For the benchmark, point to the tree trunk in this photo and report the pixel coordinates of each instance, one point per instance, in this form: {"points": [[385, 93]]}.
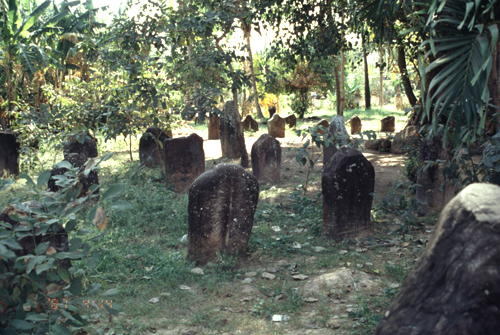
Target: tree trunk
{"points": [[494, 88], [368, 104], [247, 28], [342, 80], [340, 111], [381, 63], [404, 76]]}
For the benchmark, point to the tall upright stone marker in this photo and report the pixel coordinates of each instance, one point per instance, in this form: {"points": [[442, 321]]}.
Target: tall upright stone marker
{"points": [[453, 288], [348, 182], [221, 209], [266, 159], [276, 126], [232, 140], [151, 147], [184, 160], [335, 135], [249, 123], [9, 154]]}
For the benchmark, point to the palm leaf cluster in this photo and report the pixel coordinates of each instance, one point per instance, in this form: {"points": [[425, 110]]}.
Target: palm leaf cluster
{"points": [[463, 36]]}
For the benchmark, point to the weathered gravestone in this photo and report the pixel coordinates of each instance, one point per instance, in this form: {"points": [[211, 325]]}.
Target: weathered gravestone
{"points": [[221, 209], [347, 182], [291, 121], [388, 124], [232, 140], [249, 123], [491, 160], [213, 128], [335, 136], [322, 126], [9, 154], [55, 235], [355, 123], [453, 288], [184, 160], [276, 126], [404, 140], [151, 147], [433, 192], [266, 159], [76, 152]]}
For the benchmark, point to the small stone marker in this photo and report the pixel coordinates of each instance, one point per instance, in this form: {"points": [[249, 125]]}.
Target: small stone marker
{"points": [[276, 126], [232, 140], [453, 288], [348, 182], [432, 192], [355, 123], [184, 160], [335, 135], [388, 124], [323, 123], [213, 128], [221, 209], [9, 154], [249, 123], [491, 154], [151, 147], [291, 121], [266, 159]]}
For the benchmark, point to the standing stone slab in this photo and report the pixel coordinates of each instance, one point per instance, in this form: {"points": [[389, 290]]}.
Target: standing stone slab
{"points": [[324, 126], [151, 147], [184, 160], [9, 154], [77, 151], [221, 209], [86, 147], [335, 136], [453, 288], [232, 140], [213, 128], [266, 159], [276, 126], [388, 124], [249, 123], [404, 140], [355, 123], [433, 193], [291, 121], [348, 182]]}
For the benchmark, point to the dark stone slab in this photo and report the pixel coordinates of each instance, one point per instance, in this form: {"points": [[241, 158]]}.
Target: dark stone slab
{"points": [[221, 209], [266, 159], [347, 182], [151, 147], [9, 154]]}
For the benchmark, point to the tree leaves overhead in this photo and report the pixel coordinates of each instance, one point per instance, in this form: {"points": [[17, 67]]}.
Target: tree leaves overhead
{"points": [[463, 36]]}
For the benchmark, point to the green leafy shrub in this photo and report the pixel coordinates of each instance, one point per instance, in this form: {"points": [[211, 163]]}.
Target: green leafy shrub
{"points": [[44, 290]]}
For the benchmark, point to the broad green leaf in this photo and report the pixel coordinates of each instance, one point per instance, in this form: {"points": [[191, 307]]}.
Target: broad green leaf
{"points": [[63, 164], [111, 293], [28, 179], [41, 248], [10, 243], [31, 19], [36, 317], [45, 266], [76, 286], [94, 289], [59, 330], [113, 191], [21, 324], [6, 253], [68, 255], [33, 262], [121, 205]]}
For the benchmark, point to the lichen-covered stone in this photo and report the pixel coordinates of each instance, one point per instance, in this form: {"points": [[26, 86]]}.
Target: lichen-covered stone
{"points": [[221, 209], [276, 126], [453, 288], [335, 136], [232, 140]]}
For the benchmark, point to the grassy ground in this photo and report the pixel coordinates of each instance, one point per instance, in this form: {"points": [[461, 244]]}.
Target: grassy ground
{"points": [[144, 252]]}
